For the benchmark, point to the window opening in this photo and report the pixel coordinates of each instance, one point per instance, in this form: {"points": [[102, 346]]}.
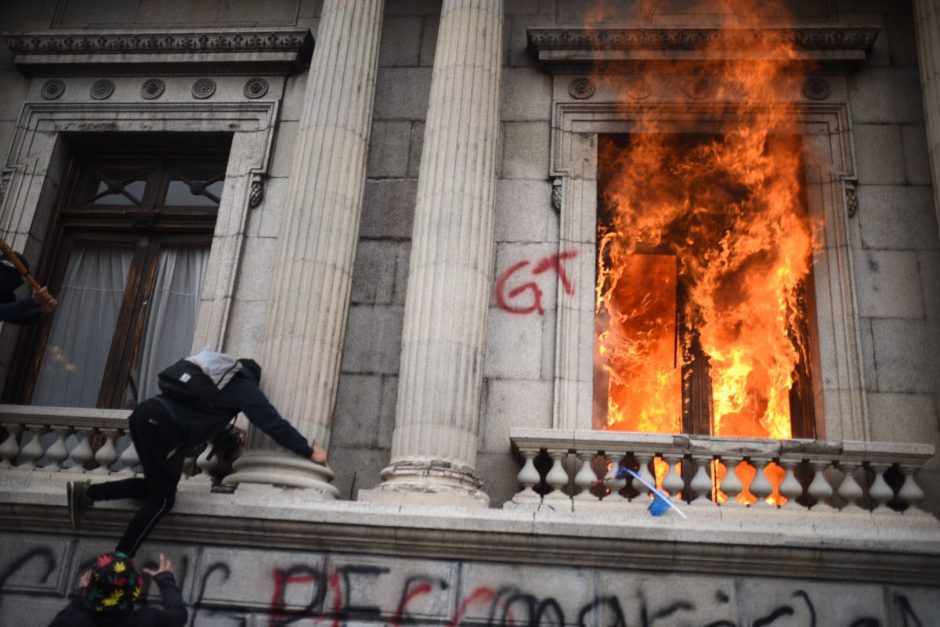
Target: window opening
{"points": [[704, 275], [131, 244]]}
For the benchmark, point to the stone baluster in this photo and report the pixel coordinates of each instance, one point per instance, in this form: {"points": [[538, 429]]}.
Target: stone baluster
{"points": [[731, 484], [528, 478], [790, 487], [33, 451], [701, 484], [206, 463], [106, 453], [849, 490], [760, 487], [880, 492], [819, 488], [672, 481], [557, 478], [910, 492], [584, 479], [81, 453], [610, 482], [643, 459], [312, 278], [11, 446], [129, 458], [58, 452], [434, 443]]}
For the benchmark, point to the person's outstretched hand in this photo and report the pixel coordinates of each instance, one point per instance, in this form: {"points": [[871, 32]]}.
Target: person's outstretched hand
{"points": [[165, 567], [44, 299], [319, 454]]}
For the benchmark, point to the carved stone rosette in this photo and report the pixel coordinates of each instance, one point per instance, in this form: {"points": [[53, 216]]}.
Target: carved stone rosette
{"points": [[255, 88], [101, 89], [53, 89], [152, 89], [203, 88]]}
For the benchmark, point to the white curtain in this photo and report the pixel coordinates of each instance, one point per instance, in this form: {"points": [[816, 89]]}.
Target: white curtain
{"points": [[83, 325], [172, 313]]}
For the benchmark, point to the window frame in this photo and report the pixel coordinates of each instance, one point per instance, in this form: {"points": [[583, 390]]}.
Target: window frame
{"points": [[147, 228]]}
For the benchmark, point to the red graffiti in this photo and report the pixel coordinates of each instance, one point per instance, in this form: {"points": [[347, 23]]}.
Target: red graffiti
{"points": [[279, 612], [552, 262], [421, 588], [480, 594], [337, 596]]}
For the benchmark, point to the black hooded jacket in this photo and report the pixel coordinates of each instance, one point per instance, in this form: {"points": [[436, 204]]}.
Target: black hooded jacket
{"points": [[173, 613], [241, 394]]}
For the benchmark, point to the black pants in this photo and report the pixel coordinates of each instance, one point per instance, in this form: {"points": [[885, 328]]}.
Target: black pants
{"points": [[156, 436]]}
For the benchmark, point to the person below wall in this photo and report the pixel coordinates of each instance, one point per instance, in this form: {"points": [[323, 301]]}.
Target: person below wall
{"points": [[107, 593], [25, 310], [164, 431]]}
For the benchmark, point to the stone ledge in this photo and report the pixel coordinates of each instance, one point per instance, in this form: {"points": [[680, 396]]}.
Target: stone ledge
{"points": [[274, 50], [575, 49], [888, 549]]}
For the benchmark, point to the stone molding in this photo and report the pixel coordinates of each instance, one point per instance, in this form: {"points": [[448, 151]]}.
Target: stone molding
{"points": [[869, 549], [574, 49], [137, 51]]}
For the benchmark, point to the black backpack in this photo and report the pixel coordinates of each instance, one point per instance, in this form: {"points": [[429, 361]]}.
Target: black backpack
{"points": [[187, 383]]}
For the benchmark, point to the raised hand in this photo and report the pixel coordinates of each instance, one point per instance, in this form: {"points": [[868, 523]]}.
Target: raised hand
{"points": [[165, 567]]}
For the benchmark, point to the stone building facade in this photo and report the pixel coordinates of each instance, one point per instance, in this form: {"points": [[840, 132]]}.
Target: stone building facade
{"points": [[396, 204]]}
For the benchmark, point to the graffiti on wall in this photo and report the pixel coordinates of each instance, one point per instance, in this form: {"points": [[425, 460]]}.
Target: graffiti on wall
{"points": [[526, 298], [329, 593]]}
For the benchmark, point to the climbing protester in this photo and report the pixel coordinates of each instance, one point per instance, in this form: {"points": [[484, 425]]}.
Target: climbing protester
{"points": [[25, 310], [166, 428], [108, 590]]}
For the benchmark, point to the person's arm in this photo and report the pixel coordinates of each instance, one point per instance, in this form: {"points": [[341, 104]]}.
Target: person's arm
{"points": [[254, 404], [174, 612], [23, 311]]}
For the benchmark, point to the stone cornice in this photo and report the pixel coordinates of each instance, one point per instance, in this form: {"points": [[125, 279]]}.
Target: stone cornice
{"points": [[276, 50], [577, 49]]}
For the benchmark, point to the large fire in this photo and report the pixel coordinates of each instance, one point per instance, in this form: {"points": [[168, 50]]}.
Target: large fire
{"points": [[704, 258]]}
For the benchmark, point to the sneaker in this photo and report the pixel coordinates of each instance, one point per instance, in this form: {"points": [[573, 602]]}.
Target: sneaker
{"points": [[79, 502]]}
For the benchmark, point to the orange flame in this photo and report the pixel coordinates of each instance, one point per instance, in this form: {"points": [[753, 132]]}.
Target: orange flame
{"points": [[704, 255]]}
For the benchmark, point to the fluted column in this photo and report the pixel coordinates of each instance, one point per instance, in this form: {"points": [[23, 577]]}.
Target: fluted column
{"points": [[311, 284], [434, 444], [927, 27]]}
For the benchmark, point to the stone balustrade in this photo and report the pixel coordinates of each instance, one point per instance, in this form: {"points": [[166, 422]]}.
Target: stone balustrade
{"points": [[76, 441], [570, 469]]}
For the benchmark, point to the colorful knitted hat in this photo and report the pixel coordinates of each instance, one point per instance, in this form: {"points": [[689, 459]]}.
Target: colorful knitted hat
{"points": [[115, 584]]}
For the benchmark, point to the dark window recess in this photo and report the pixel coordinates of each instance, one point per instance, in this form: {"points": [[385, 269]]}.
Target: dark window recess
{"points": [[126, 257]]}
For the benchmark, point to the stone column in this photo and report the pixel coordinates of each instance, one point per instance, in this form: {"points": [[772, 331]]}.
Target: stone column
{"points": [[434, 444], [927, 27], [311, 283]]}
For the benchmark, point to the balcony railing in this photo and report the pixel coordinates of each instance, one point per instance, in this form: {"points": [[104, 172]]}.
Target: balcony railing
{"points": [[71, 440], [576, 470]]}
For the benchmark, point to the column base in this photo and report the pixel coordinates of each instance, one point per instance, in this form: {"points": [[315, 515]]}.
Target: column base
{"points": [[282, 469], [427, 483]]}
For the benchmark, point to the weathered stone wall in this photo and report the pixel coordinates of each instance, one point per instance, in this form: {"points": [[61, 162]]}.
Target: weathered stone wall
{"points": [[229, 586], [895, 245]]}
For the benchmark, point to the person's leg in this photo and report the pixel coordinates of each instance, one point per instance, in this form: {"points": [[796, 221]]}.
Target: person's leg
{"points": [[81, 495], [155, 436]]}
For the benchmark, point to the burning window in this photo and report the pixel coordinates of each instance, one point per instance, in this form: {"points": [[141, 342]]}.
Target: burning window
{"points": [[704, 303]]}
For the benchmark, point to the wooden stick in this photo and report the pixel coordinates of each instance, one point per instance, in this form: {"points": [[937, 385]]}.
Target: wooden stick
{"points": [[15, 260]]}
